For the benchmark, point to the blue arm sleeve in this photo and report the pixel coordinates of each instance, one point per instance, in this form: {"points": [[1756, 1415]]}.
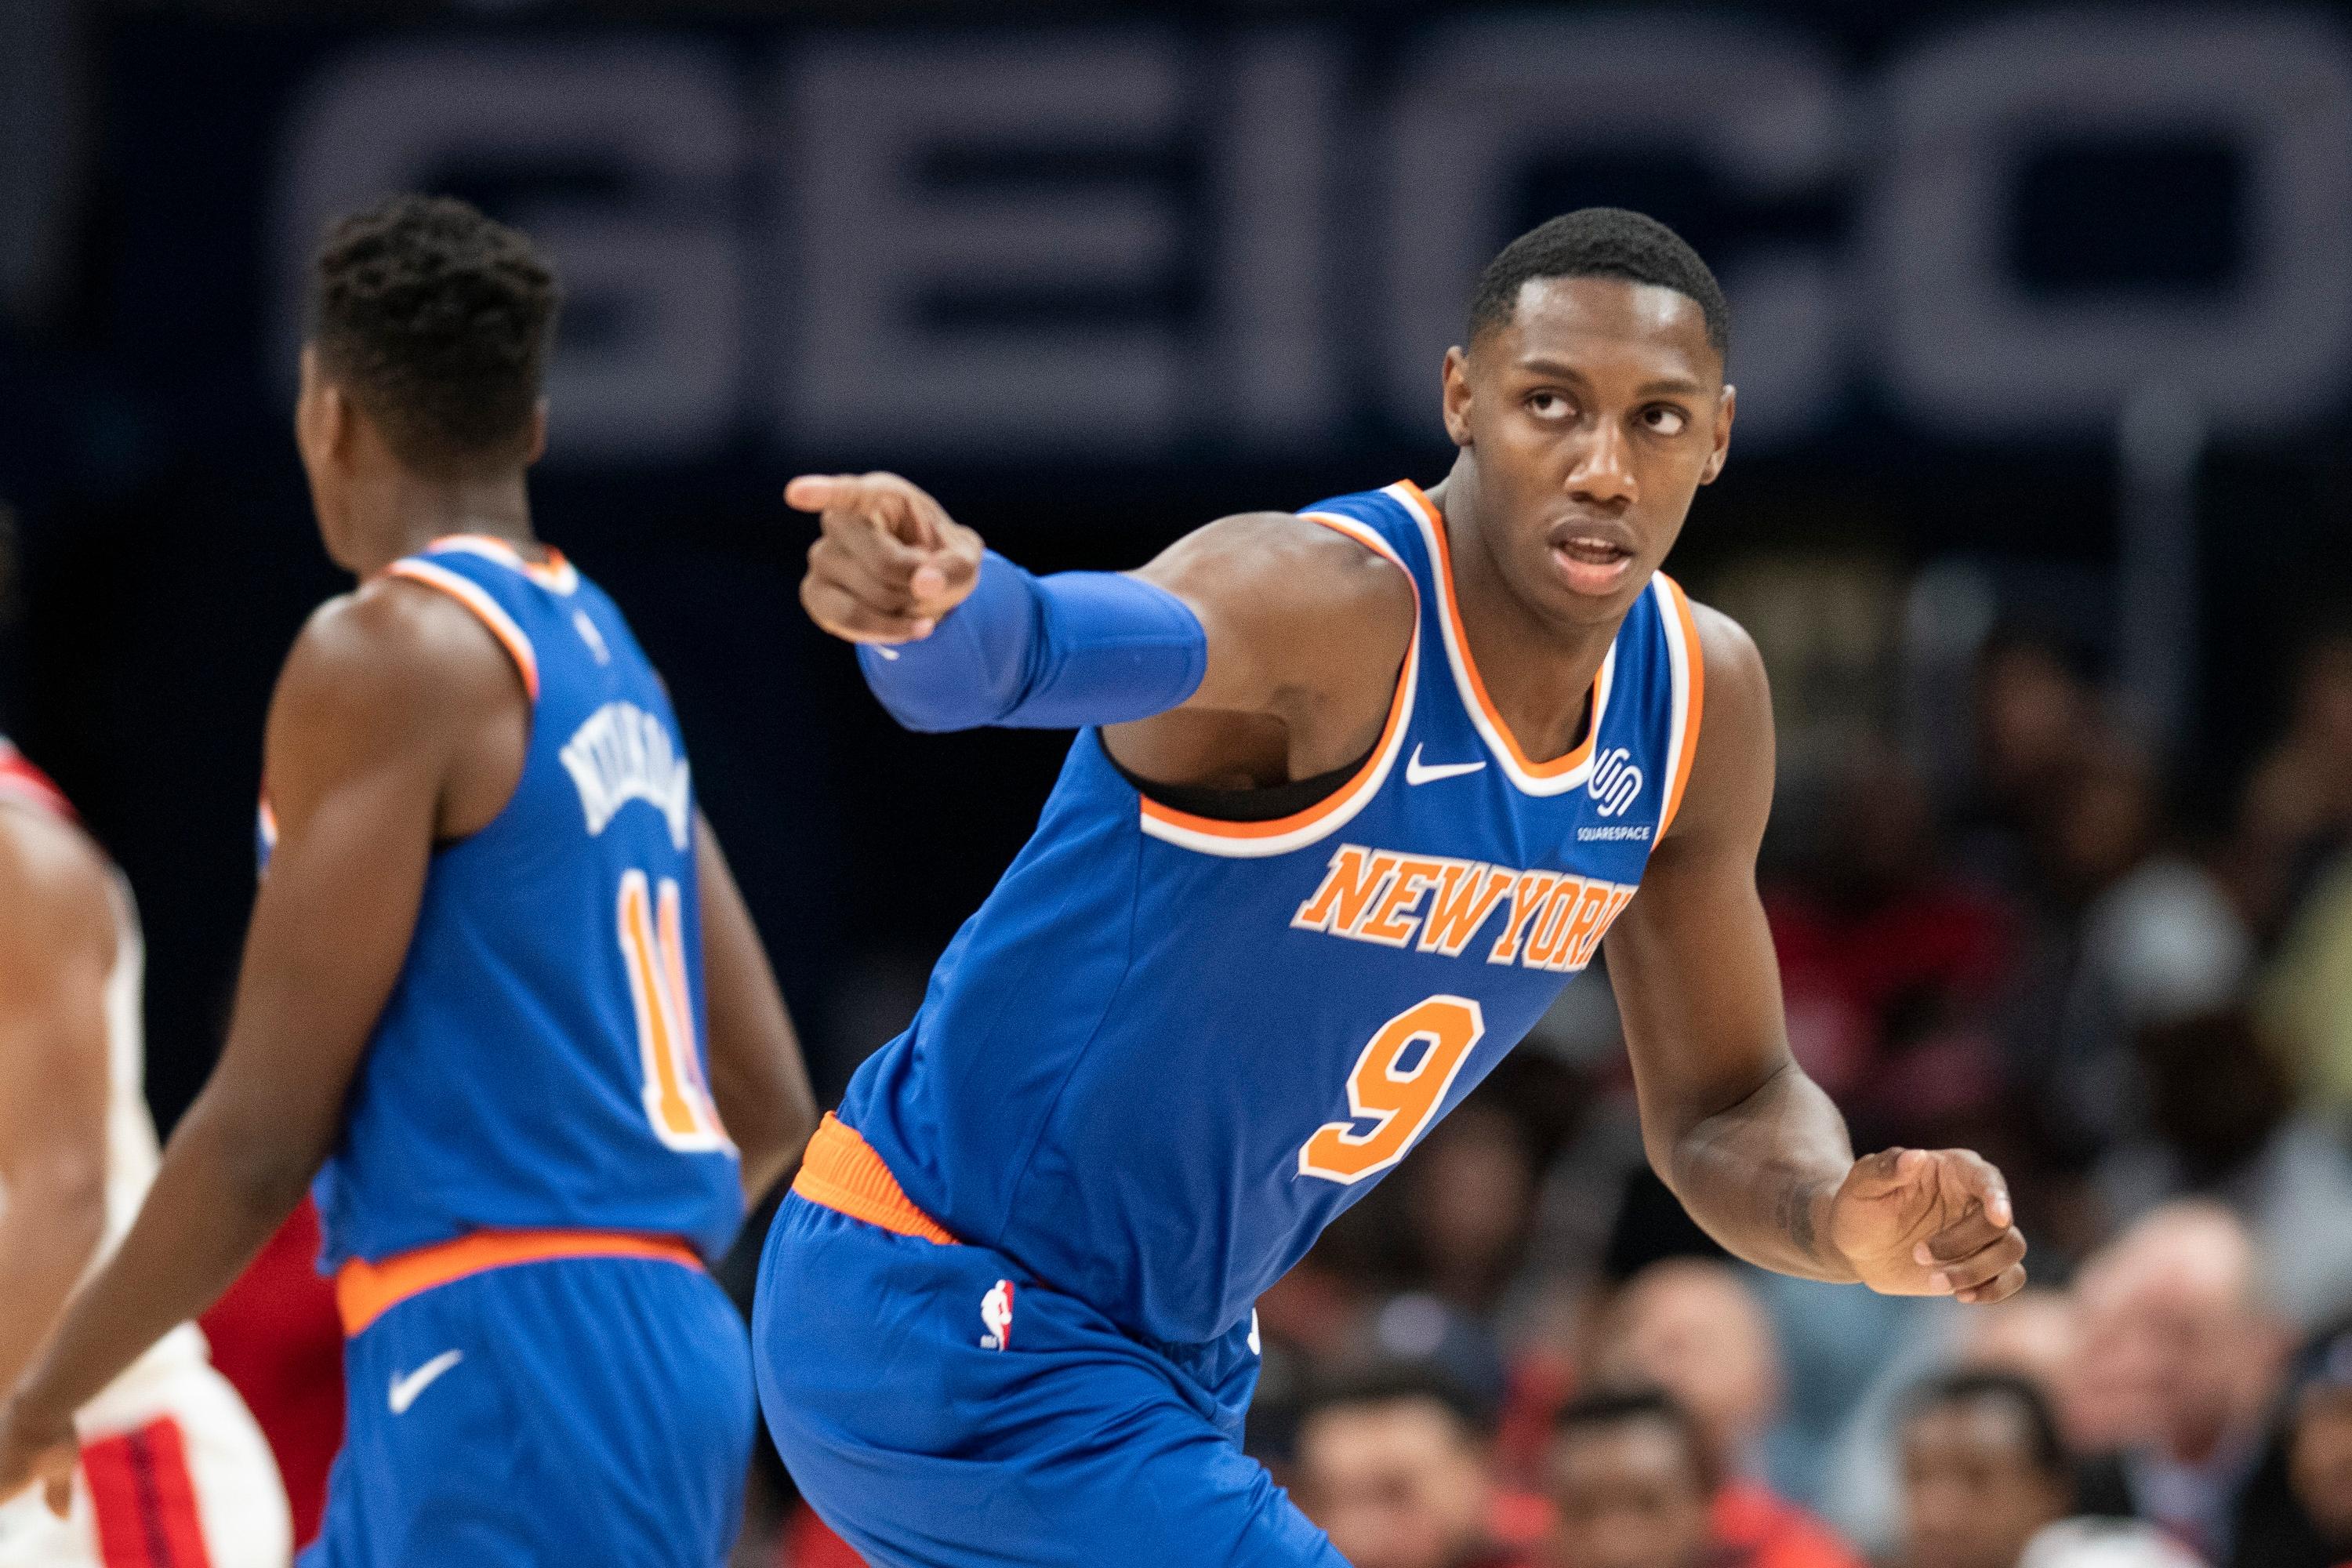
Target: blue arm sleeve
{"points": [[1047, 653]]}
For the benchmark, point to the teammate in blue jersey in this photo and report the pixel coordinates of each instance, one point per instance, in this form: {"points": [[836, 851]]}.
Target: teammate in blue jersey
{"points": [[1356, 790], [500, 997]]}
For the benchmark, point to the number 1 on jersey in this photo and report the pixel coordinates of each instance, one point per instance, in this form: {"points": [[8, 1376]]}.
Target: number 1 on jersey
{"points": [[1395, 1087], [653, 949]]}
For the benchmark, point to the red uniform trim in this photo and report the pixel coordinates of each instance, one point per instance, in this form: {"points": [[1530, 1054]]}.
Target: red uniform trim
{"points": [[144, 1499]]}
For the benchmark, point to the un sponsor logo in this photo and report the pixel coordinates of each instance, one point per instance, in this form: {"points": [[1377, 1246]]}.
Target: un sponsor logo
{"points": [[1616, 783]]}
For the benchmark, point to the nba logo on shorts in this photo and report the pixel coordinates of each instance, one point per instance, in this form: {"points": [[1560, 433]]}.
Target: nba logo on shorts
{"points": [[996, 1311], [1616, 781]]}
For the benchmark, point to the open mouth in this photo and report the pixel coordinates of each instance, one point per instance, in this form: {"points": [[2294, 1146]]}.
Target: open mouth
{"points": [[1592, 563]]}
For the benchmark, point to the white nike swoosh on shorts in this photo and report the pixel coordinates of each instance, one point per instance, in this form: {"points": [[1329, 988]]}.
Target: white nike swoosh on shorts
{"points": [[404, 1390], [1416, 773]]}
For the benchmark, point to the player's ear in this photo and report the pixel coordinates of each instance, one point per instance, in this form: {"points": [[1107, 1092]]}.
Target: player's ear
{"points": [[1726, 407], [537, 447], [321, 417], [1458, 396]]}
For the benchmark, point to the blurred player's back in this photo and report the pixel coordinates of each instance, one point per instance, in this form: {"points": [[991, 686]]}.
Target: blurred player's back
{"points": [[471, 1012]]}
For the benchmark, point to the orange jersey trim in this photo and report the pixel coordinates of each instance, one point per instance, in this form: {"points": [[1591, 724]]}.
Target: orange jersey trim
{"points": [[485, 609], [1557, 765], [1400, 712], [556, 572], [364, 1291], [841, 1172], [1693, 705]]}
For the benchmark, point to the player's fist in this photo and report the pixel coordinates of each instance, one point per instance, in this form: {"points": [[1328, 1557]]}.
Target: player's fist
{"points": [[35, 1447], [1929, 1221], [888, 561]]}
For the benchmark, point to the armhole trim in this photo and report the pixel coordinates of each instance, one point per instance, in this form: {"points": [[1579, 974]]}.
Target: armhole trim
{"points": [[1251, 841], [1689, 664], [485, 609]]}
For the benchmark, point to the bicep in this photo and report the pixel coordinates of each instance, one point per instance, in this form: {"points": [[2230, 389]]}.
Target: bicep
{"points": [[1288, 607], [368, 717], [1691, 961]]}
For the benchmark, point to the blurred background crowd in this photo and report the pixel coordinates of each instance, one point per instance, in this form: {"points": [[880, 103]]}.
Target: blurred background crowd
{"points": [[2043, 324]]}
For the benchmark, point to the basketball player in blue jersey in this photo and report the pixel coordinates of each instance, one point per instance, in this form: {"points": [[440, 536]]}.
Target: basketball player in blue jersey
{"points": [[1355, 791], [499, 996]]}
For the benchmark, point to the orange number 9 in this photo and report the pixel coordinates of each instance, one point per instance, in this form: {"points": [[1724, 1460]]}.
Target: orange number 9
{"points": [[1399, 1100], [653, 949]]}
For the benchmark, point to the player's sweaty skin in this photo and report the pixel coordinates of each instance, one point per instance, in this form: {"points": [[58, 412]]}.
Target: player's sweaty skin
{"points": [[1585, 426]]}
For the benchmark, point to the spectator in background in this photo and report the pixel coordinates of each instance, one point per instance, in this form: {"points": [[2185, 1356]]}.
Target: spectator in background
{"points": [[1691, 1326], [1632, 1480], [2036, 715], [1395, 1465], [2181, 1360], [1984, 1470], [1887, 961], [2137, 935], [2298, 1509], [2031, 1338], [2296, 813], [1469, 1198], [2222, 1122]]}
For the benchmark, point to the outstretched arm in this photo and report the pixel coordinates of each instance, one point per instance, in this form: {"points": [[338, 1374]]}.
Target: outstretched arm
{"points": [[1751, 1145], [56, 945], [1262, 645], [382, 693]]}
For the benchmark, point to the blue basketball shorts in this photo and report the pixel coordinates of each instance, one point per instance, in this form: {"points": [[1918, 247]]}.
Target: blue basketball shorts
{"points": [[940, 1408], [565, 1411]]}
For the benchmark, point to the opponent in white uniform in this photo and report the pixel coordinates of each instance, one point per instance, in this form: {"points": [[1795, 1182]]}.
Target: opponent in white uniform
{"points": [[174, 1474]]}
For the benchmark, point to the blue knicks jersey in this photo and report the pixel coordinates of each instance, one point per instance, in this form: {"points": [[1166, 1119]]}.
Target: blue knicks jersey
{"points": [[1169, 1050], [539, 1065]]}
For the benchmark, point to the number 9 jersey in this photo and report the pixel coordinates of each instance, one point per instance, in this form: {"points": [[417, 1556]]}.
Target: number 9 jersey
{"points": [[1170, 1048], [537, 1065]]}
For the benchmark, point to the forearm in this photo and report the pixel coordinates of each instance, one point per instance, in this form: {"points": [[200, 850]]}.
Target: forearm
{"points": [[1062, 652], [47, 1237], [218, 1196], [1759, 1175]]}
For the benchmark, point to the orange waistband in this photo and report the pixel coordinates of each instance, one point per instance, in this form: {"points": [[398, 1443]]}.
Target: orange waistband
{"points": [[364, 1291], [841, 1172]]}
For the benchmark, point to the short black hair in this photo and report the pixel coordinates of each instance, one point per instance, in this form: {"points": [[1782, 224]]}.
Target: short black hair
{"points": [[1610, 1407], [1600, 242], [1400, 1381], [437, 322], [2044, 1446]]}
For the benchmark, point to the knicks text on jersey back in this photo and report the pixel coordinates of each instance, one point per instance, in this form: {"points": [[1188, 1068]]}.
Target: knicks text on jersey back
{"points": [[539, 1065], [1169, 1049]]}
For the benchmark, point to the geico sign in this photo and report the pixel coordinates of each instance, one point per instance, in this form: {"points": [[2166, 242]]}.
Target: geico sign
{"points": [[1123, 241]]}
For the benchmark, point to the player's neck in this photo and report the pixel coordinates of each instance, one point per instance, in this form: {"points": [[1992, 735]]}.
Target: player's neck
{"points": [[400, 512], [1537, 670]]}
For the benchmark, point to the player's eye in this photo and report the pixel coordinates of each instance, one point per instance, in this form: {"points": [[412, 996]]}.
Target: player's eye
{"points": [[1549, 406], [1661, 419]]}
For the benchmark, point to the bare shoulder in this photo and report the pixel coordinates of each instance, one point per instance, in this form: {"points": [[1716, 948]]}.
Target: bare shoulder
{"points": [[397, 655], [1281, 557], [54, 883], [1313, 603], [1737, 689]]}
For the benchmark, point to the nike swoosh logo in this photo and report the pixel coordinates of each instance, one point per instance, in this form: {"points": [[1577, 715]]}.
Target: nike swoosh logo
{"points": [[404, 1390], [1416, 774]]}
